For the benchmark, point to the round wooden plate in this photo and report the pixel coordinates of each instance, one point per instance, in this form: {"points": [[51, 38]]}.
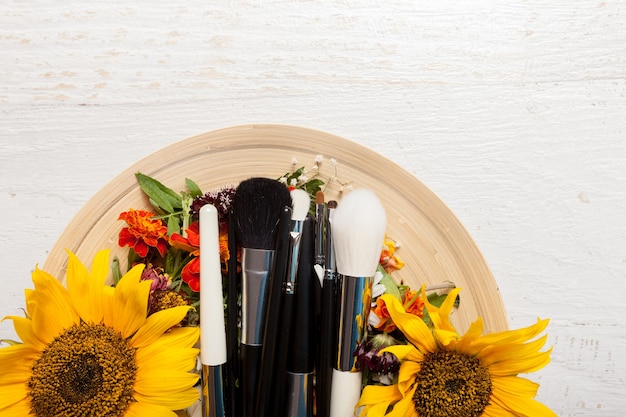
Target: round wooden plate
{"points": [[435, 246]]}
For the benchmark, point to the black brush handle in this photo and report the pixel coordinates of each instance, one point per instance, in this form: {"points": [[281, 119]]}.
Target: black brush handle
{"points": [[250, 364], [328, 348], [233, 405], [301, 340], [272, 318], [280, 369]]}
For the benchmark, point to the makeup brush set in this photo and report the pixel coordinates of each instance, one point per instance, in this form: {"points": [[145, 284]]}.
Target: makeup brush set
{"points": [[298, 306]]}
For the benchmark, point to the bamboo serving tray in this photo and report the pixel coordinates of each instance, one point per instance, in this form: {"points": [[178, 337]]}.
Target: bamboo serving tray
{"points": [[434, 244]]}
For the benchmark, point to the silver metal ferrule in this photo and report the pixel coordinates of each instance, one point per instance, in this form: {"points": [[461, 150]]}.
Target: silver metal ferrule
{"points": [[295, 237], [300, 395], [212, 391], [256, 265], [320, 243], [356, 298]]}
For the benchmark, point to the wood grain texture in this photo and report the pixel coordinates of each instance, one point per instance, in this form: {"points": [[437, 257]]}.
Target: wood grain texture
{"points": [[511, 112]]}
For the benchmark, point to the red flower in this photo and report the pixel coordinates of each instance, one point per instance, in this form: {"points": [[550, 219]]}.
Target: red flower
{"points": [[143, 232], [191, 271], [191, 274]]}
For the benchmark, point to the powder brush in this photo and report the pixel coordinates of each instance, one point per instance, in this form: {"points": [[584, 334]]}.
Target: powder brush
{"points": [[358, 231]]}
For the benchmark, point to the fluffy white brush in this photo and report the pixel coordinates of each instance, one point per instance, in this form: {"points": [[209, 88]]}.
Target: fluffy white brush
{"points": [[358, 231]]}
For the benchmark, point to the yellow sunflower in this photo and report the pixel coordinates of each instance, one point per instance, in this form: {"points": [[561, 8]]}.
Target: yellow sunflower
{"points": [[91, 349], [444, 374]]}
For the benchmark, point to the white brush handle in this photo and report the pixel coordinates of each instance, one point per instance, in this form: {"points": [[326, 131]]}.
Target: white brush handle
{"points": [[345, 393], [212, 327]]}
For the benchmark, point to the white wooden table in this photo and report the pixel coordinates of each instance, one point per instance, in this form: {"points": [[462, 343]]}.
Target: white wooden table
{"points": [[512, 112]]}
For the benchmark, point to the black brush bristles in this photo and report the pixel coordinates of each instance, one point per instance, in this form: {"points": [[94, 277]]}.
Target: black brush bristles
{"points": [[257, 204]]}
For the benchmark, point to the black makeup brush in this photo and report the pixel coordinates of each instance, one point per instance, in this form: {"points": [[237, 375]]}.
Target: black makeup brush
{"points": [[301, 203], [358, 231], [301, 354], [233, 405], [258, 204], [328, 327], [267, 370]]}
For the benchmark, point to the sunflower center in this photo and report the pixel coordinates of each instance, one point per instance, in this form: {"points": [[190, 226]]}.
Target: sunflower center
{"points": [[88, 370], [451, 384]]}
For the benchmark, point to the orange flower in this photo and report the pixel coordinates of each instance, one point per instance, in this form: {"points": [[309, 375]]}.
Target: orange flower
{"points": [[143, 232], [191, 271], [412, 303], [191, 243], [388, 260], [191, 274], [386, 324]]}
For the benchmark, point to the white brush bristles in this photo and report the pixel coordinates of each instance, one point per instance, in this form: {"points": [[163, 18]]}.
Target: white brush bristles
{"points": [[358, 229], [300, 201]]}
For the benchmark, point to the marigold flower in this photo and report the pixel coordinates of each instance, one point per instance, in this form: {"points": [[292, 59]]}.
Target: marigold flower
{"points": [[191, 274], [412, 303], [388, 260], [143, 232]]}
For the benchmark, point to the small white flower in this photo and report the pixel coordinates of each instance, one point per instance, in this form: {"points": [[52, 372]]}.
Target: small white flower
{"points": [[373, 319], [294, 161], [303, 178], [314, 168], [283, 180], [319, 158], [378, 289], [333, 161], [293, 182], [350, 187]]}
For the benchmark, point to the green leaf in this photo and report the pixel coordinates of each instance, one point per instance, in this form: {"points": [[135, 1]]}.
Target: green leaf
{"points": [[116, 271], [390, 284], [160, 195], [193, 188], [173, 226], [313, 186]]}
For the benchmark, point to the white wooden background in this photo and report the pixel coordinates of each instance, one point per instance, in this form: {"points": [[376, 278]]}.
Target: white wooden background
{"points": [[513, 112]]}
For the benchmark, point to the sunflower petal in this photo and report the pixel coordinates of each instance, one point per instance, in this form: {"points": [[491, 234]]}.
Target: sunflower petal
{"points": [[12, 394], [157, 324], [130, 303], [180, 400], [440, 316], [175, 359], [50, 299], [179, 336], [493, 410], [498, 353], [521, 365], [16, 362], [512, 336], [375, 394], [472, 334], [151, 382], [142, 409], [515, 385], [18, 409], [406, 376], [85, 287], [403, 408], [413, 327], [24, 329], [520, 405]]}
